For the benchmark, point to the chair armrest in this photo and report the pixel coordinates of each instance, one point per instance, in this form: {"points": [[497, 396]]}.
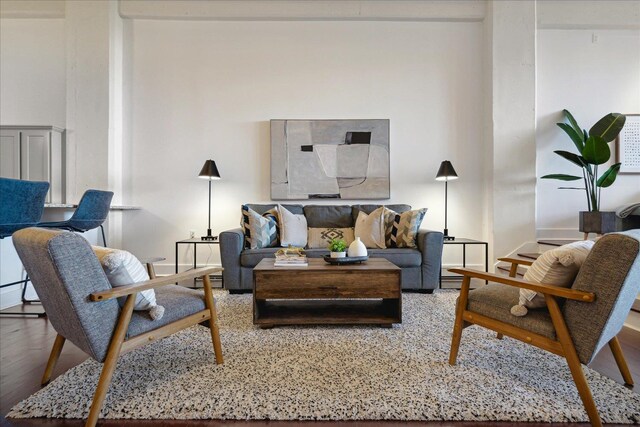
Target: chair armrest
{"points": [[517, 261], [519, 283], [153, 283]]}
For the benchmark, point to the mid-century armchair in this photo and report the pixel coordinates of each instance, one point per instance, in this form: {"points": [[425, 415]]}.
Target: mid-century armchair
{"points": [[593, 312], [83, 308]]}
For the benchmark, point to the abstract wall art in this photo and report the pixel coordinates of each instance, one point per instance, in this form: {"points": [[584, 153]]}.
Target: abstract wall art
{"points": [[329, 159]]}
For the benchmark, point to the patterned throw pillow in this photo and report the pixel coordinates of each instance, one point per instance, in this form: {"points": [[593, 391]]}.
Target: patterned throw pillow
{"points": [[260, 231], [319, 238], [389, 217], [405, 228], [370, 228]]}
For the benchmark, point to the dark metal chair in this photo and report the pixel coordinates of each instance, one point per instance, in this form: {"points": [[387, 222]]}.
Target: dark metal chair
{"points": [[21, 206], [91, 213]]}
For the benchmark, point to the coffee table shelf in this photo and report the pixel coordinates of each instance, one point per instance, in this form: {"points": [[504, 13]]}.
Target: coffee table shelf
{"points": [[368, 293]]}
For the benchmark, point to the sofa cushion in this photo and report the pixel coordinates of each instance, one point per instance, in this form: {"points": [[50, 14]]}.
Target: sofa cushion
{"points": [[261, 209], [355, 209], [251, 257], [329, 216], [402, 257]]}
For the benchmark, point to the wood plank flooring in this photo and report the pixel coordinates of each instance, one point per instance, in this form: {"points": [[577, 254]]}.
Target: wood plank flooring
{"points": [[25, 344]]}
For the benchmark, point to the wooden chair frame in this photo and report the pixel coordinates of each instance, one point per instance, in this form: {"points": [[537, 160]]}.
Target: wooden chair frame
{"points": [[563, 346], [119, 345]]}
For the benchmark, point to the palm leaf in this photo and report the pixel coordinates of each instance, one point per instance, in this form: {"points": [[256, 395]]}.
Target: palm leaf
{"points": [[575, 136], [609, 176], [596, 151], [562, 177], [608, 127]]}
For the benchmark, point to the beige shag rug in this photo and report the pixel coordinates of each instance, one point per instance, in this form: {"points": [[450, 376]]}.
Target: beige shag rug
{"points": [[336, 373]]}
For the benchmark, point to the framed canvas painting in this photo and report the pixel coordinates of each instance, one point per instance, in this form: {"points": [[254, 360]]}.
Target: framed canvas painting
{"points": [[329, 159]]}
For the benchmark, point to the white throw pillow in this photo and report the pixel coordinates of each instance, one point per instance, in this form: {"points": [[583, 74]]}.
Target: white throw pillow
{"points": [[558, 267], [122, 268], [293, 228], [370, 228]]}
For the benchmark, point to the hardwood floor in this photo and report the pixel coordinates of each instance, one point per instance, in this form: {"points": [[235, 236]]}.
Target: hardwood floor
{"points": [[25, 344]]}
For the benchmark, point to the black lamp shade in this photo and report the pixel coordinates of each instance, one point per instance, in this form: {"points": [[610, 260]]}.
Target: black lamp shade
{"points": [[446, 172], [209, 170]]}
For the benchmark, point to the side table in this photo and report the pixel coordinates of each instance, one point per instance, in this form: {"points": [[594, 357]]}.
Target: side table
{"points": [[464, 242], [195, 242]]}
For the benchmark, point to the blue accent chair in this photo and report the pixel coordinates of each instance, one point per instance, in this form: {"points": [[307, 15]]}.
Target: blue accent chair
{"points": [[91, 213], [21, 206]]}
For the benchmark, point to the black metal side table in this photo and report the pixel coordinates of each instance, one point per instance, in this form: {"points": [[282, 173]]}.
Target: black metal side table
{"points": [[464, 242], [195, 242]]}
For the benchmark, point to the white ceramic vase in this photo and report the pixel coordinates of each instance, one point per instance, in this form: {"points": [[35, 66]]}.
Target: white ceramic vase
{"points": [[338, 254], [357, 248]]}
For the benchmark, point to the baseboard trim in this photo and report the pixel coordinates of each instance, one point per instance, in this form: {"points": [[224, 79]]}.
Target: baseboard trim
{"points": [[11, 296]]}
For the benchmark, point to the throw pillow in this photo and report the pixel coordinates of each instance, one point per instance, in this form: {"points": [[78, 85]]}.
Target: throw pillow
{"points": [[319, 238], [558, 267], [405, 228], [293, 228], [389, 217], [260, 231], [370, 228], [122, 268]]}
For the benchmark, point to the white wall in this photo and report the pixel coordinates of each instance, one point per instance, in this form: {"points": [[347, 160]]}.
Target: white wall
{"points": [[32, 92], [32, 72], [590, 73], [208, 90]]}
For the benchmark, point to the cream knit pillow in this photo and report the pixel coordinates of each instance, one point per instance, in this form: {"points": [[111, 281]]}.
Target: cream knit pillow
{"points": [[293, 228], [557, 267], [370, 228], [122, 268]]}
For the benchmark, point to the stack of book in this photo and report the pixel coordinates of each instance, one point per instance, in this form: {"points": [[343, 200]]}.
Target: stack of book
{"points": [[291, 257]]}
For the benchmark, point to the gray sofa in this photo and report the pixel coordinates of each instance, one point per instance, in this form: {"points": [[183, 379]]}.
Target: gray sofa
{"points": [[420, 267]]}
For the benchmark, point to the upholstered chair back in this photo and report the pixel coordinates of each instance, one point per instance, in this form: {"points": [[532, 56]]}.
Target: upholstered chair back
{"points": [[65, 271], [612, 273]]}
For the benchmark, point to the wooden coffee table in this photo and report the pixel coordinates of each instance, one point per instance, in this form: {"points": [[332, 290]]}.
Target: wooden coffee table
{"points": [[367, 293]]}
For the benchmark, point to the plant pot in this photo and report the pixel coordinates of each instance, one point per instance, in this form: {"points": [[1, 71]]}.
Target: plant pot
{"points": [[338, 254], [597, 222]]}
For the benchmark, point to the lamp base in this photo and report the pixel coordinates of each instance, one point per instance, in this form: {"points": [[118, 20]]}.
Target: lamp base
{"points": [[446, 235], [209, 236]]}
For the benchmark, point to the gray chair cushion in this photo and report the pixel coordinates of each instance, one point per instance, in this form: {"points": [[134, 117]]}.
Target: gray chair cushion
{"points": [[178, 302], [355, 210], [325, 216], [495, 301], [294, 209], [402, 257]]}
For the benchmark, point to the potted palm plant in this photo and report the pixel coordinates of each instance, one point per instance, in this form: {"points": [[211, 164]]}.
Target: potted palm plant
{"points": [[593, 151], [338, 248]]}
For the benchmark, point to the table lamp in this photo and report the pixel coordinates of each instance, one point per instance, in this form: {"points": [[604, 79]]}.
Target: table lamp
{"points": [[209, 171], [446, 173]]}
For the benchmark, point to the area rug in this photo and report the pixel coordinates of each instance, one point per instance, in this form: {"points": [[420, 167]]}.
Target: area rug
{"points": [[336, 373]]}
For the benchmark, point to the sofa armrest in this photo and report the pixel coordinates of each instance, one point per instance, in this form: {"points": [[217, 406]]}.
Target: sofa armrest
{"points": [[231, 246], [430, 244]]}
